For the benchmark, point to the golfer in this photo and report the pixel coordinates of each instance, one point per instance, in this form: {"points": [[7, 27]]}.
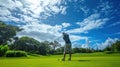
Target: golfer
{"points": [[67, 47]]}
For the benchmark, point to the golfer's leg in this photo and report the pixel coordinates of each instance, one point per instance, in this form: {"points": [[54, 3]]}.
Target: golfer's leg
{"points": [[70, 56], [70, 53], [64, 54]]}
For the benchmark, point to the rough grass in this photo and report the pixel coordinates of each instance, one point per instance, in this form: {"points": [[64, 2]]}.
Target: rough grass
{"points": [[78, 60]]}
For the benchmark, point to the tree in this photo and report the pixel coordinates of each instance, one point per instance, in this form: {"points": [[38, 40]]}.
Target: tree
{"points": [[25, 44], [54, 45], [118, 45], [44, 48], [115, 47], [7, 32], [31, 45], [59, 50]]}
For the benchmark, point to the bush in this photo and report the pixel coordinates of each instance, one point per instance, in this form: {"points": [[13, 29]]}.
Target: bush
{"points": [[3, 49], [16, 54]]}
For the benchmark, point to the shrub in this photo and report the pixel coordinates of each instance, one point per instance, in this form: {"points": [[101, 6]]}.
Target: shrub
{"points": [[3, 49], [16, 54]]}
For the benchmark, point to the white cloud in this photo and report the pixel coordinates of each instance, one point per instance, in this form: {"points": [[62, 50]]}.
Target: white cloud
{"points": [[105, 7], [41, 32], [87, 43], [108, 42], [64, 10], [65, 24], [13, 18], [4, 12], [114, 24], [76, 38], [91, 22], [37, 9], [82, 6], [7, 4], [84, 9]]}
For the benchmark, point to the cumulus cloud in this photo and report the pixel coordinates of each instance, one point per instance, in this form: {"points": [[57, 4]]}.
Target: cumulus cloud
{"points": [[41, 32], [91, 22], [87, 44], [76, 38], [65, 25], [64, 10], [4, 11], [94, 44], [108, 42]]}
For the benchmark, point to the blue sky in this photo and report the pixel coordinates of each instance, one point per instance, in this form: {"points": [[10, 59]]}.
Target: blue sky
{"points": [[90, 23]]}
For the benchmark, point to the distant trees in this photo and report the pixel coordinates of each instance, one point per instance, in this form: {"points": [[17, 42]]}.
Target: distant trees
{"points": [[114, 47], [82, 50], [26, 44], [33, 46], [7, 32]]}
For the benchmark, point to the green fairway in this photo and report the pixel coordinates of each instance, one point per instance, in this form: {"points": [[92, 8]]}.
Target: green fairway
{"points": [[78, 60]]}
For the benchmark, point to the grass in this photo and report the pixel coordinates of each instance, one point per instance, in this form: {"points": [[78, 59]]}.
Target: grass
{"points": [[78, 60]]}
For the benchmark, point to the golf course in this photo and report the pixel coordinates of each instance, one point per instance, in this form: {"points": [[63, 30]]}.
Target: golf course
{"points": [[78, 60]]}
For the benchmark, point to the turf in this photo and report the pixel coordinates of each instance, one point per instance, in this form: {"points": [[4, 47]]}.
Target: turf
{"points": [[78, 60]]}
